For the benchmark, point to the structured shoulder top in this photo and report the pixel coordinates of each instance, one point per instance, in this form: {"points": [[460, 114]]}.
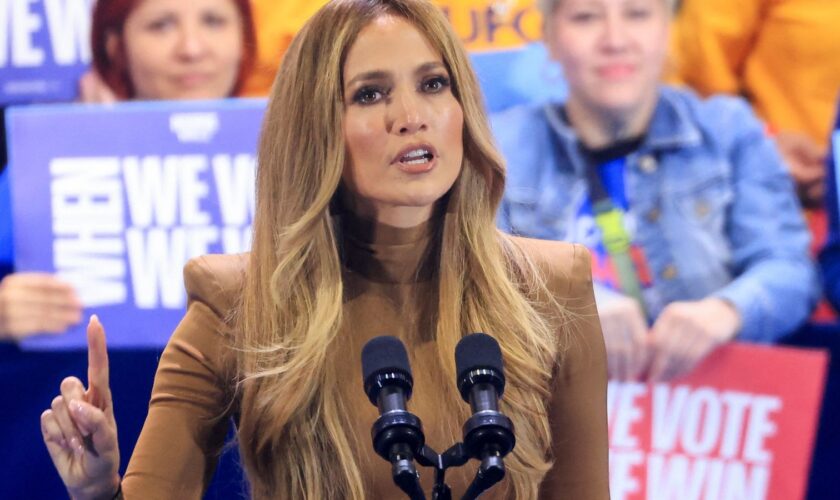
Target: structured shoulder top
{"points": [[389, 288]]}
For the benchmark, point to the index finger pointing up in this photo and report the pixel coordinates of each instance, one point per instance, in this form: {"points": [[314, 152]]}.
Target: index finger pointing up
{"points": [[98, 385]]}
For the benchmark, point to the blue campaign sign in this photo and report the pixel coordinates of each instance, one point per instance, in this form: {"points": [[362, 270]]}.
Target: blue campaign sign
{"points": [[116, 199], [44, 49]]}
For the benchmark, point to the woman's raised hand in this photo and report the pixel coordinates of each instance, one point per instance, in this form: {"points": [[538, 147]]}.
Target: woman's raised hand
{"points": [[80, 431]]}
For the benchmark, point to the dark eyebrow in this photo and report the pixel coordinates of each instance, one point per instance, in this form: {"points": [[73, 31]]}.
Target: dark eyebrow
{"points": [[383, 75], [429, 66], [368, 75]]}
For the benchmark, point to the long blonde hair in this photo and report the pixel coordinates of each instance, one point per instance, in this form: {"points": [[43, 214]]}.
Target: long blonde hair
{"points": [[293, 439]]}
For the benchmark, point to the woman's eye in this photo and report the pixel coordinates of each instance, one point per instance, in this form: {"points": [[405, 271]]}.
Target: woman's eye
{"points": [[161, 24], [583, 17], [435, 84], [215, 20], [368, 95], [638, 13]]}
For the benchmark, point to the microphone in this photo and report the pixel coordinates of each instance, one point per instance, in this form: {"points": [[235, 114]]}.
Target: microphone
{"points": [[397, 434], [488, 434]]}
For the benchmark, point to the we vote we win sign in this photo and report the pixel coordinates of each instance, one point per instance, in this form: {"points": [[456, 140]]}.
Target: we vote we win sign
{"points": [[740, 427], [115, 200], [44, 49]]}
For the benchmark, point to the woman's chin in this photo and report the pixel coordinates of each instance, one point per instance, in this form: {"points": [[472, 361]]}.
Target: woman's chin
{"points": [[621, 102]]}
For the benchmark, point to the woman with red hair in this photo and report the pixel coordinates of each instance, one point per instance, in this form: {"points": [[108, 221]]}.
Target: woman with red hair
{"points": [[169, 49], [143, 49]]}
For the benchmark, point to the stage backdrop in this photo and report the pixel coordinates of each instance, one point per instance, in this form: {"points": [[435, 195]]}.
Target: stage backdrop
{"points": [[116, 199], [741, 427], [44, 49]]}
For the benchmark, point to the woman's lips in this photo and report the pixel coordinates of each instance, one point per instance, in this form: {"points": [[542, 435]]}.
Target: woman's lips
{"points": [[616, 71], [417, 167], [416, 159], [191, 80]]}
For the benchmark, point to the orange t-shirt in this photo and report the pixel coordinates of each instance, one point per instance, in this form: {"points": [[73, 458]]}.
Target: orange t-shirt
{"points": [[783, 55], [483, 25]]}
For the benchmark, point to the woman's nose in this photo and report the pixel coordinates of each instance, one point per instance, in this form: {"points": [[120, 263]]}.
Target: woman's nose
{"points": [[407, 114], [191, 43], [615, 33]]}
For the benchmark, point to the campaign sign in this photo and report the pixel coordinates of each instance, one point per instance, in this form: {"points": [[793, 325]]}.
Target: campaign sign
{"points": [[116, 199], [740, 427], [44, 49]]}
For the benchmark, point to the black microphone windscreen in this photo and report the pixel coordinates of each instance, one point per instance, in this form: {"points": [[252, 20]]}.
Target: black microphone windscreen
{"points": [[384, 353], [477, 350]]}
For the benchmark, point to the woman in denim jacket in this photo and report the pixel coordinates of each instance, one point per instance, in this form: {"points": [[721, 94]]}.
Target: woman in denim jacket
{"points": [[718, 247]]}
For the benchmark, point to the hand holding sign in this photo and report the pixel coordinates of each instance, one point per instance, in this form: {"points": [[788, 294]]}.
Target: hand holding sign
{"points": [[124, 212], [80, 431], [686, 332], [625, 335], [92, 90], [741, 425], [33, 303]]}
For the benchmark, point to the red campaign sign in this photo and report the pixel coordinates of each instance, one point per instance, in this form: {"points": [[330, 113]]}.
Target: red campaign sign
{"points": [[740, 427]]}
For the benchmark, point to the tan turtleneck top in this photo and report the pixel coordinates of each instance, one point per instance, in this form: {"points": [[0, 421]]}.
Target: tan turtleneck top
{"points": [[388, 290]]}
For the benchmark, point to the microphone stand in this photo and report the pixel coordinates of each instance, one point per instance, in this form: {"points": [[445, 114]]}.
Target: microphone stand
{"points": [[490, 472], [398, 434], [405, 473]]}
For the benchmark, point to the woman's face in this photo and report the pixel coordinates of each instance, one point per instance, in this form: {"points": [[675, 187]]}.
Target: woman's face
{"points": [[183, 49], [612, 51], [402, 125]]}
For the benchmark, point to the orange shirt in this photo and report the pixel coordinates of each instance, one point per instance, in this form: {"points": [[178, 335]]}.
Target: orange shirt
{"points": [[783, 55], [276, 23], [483, 25]]}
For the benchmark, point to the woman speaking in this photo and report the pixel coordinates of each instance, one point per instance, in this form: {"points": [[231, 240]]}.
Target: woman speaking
{"points": [[377, 189]]}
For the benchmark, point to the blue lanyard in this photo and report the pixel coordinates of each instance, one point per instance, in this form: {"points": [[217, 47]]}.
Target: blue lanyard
{"points": [[610, 221]]}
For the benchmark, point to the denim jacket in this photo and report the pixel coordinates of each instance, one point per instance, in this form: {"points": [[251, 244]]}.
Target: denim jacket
{"points": [[715, 210]]}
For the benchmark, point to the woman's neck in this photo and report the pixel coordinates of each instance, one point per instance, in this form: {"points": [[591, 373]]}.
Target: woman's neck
{"points": [[599, 128], [391, 215], [394, 216]]}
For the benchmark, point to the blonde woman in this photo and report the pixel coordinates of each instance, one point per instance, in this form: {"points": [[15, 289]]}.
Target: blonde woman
{"points": [[377, 190], [684, 202]]}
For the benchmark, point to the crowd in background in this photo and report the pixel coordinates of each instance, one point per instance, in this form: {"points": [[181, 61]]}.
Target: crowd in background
{"points": [[709, 202], [775, 55]]}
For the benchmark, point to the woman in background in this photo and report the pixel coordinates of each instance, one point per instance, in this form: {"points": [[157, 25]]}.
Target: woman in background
{"points": [[685, 203], [169, 49], [781, 55], [377, 189], [143, 50], [42, 303]]}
